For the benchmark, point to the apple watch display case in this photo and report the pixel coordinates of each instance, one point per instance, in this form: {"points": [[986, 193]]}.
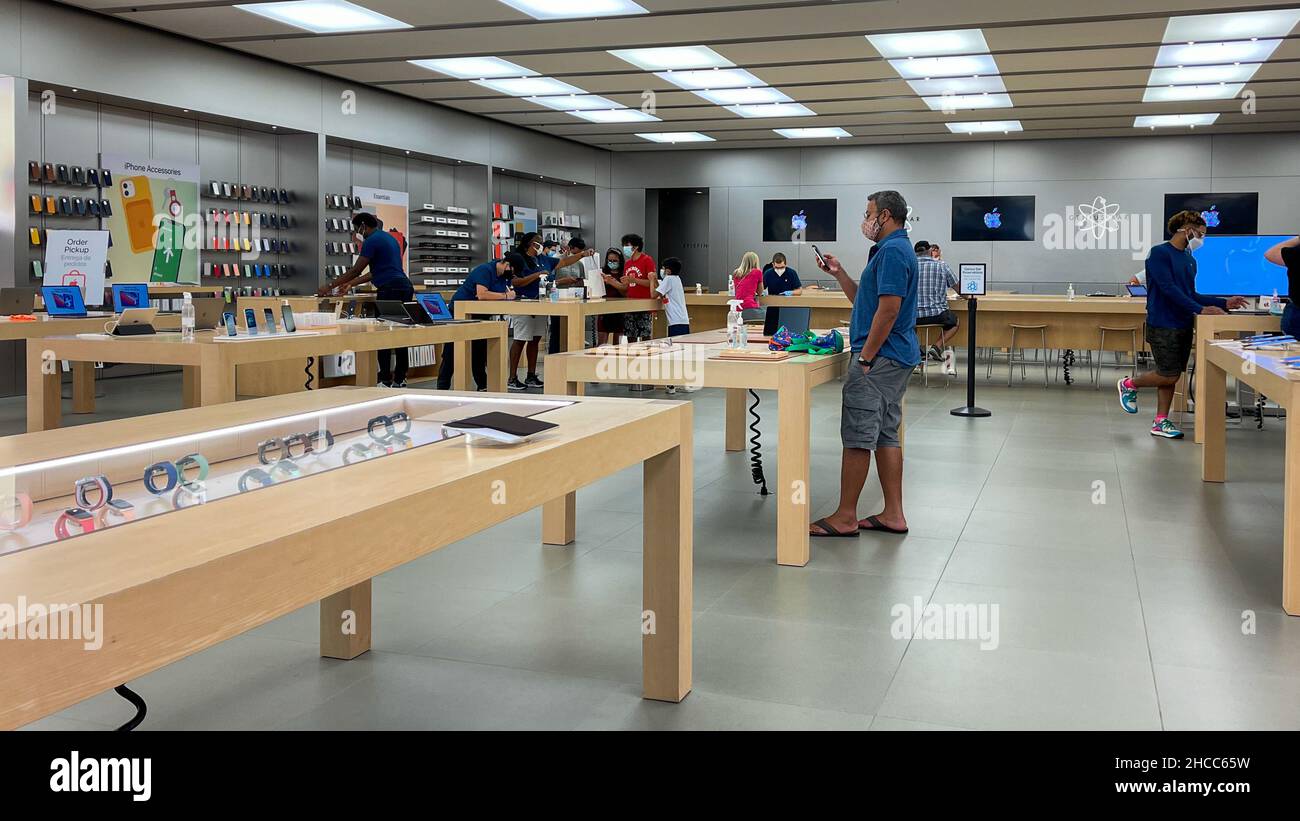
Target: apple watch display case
{"points": [[70, 496]]}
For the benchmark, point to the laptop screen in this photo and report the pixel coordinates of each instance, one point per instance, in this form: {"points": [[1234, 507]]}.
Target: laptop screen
{"points": [[130, 296], [434, 305], [63, 300]]}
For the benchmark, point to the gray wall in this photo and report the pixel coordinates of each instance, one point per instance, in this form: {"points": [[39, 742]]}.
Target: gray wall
{"points": [[1136, 173], [546, 196]]}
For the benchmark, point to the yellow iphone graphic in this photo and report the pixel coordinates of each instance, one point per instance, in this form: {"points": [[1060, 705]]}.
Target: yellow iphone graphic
{"points": [[137, 209]]}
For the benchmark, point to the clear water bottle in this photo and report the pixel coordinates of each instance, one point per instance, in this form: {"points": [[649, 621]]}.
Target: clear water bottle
{"points": [[1069, 292], [187, 319]]}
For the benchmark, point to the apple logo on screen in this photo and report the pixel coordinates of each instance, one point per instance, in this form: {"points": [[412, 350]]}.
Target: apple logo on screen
{"points": [[799, 222], [993, 219], [1211, 217]]}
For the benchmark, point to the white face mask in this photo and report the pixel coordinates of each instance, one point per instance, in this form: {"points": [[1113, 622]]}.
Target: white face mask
{"points": [[1194, 243], [780, 270]]}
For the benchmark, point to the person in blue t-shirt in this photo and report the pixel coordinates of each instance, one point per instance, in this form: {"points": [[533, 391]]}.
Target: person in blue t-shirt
{"points": [[882, 337], [527, 331], [489, 281], [382, 255], [1172, 307]]}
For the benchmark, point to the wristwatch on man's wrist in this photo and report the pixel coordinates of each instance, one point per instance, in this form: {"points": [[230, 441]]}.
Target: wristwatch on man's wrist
{"points": [[866, 363]]}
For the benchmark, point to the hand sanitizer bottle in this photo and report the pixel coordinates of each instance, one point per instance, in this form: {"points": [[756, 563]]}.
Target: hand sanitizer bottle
{"points": [[187, 318], [1069, 292], [731, 286], [735, 325]]}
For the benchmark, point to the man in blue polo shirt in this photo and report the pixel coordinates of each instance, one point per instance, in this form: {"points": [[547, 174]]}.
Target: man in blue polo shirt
{"points": [[382, 255], [489, 281], [882, 336]]}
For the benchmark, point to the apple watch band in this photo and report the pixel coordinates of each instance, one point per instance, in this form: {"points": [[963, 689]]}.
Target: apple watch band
{"points": [[189, 494], [401, 417], [157, 469], [192, 460], [73, 517], [284, 470], [117, 510], [317, 436], [273, 446], [98, 484], [18, 512], [356, 453], [257, 475], [290, 442]]}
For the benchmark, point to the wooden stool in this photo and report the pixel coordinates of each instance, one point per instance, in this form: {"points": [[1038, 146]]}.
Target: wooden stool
{"points": [[1132, 331], [1013, 347]]}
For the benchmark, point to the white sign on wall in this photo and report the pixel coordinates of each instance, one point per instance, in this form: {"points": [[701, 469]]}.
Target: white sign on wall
{"points": [[77, 258]]}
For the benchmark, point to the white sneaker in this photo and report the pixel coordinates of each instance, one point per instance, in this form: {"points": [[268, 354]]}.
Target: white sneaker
{"points": [[949, 361], [672, 389]]}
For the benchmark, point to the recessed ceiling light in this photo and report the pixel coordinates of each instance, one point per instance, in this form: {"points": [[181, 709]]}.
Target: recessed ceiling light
{"points": [[672, 58], [966, 101], [576, 102], [710, 78], [562, 9], [1191, 75], [1231, 26], [812, 133], [958, 85], [619, 115], [1166, 94], [772, 110], [324, 16], [1215, 53], [929, 43], [474, 68], [985, 127], [677, 137], [743, 96], [926, 67], [1174, 120], [530, 86]]}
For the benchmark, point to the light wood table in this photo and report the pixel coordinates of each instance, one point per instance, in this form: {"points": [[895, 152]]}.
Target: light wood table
{"points": [[209, 365], [573, 313], [1265, 373], [83, 373], [1212, 327], [691, 364], [173, 583], [1072, 324], [828, 307]]}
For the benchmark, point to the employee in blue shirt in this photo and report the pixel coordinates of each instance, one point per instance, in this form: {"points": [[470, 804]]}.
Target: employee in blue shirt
{"points": [[1172, 307], [382, 255], [489, 281], [527, 331], [779, 279]]}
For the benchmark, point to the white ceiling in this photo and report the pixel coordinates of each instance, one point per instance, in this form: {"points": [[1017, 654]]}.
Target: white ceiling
{"points": [[1072, 69]]}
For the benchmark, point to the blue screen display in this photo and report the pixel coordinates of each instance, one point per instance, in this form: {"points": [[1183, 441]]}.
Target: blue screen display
{"points": [[1235, 266], [130, 296], [63, 300]]}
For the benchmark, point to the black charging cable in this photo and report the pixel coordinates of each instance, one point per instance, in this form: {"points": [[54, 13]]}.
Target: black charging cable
{"points": [[140, 708], [310, 370], [755, 452]]}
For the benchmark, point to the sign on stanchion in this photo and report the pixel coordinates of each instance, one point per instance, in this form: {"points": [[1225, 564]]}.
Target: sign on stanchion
{"points": [[972, 280]]}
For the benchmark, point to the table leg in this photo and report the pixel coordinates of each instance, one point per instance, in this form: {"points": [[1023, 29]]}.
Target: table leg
{"points": [[498, 361], [190, 387], [367, 367], [667, 581], [461, 356], [735, 419], [573, 330], [345, 622], [1199, 342], [44, 396], [560, 515], [216, 384], [1291, 512], [1215, 382], [793, 467], [83, 387]]}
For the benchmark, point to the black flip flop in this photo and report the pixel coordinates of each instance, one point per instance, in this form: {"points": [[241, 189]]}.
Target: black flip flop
{"points": [[831, 533], [879, 526]]}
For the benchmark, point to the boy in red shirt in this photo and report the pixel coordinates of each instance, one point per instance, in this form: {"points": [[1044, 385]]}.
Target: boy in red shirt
{"points": [[641, 278]]}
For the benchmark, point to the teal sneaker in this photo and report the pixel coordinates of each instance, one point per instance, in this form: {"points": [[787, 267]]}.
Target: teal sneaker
{"points": [[1128, 397], [1165, 429]]}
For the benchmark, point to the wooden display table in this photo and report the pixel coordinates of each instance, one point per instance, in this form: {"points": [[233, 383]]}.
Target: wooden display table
{"points": [[1071, 323], [1212, 327], [1264, 372], [209, 365], [573, 313], [692, 364], [173, 582], [828, 307]]}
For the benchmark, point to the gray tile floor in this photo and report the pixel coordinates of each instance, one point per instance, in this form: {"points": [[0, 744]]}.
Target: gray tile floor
{"points": [[1127, 614]]}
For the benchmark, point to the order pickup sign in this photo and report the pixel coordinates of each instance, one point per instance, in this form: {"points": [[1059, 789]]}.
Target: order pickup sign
{"points": [[972, 277]]}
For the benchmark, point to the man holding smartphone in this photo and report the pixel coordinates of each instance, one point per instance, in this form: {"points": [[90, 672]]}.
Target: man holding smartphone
{"points": [[882, 337]]}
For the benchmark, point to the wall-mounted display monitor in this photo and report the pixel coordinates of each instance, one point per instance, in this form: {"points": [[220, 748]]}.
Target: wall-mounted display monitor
{"points": [[1235, 266], [1223, 213], [993, 219], [815, 218]]}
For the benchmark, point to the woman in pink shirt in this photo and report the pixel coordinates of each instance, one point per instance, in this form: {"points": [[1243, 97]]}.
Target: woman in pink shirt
{"points": [[749, 279]]}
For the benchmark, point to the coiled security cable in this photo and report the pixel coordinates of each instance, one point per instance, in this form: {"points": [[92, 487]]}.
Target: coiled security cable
{"points": [[310, 371], [137, 702], [755, 452], [1067, 359]]}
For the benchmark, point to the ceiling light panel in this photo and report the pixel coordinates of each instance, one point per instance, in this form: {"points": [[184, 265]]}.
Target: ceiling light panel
{"points": [[673, 58], [772, 110], [568, 9], [985, 127], [576, 102], [693, 80], [930, 43], [958, 85], [1177, 94], [959, 102], [620, 115], [475, 68], [812, 133], [978, 65], [325, 16], [677, 137], [1198, 53], [530, 86], [1231, 26], [744, 96], [1192, 75], [1174, 120]]}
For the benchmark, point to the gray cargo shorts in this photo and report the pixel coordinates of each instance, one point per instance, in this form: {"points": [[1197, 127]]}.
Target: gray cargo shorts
{"points": [[873, 404]]}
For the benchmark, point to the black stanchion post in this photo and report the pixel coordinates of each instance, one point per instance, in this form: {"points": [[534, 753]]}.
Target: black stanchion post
{"points": [[970, 409]]}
